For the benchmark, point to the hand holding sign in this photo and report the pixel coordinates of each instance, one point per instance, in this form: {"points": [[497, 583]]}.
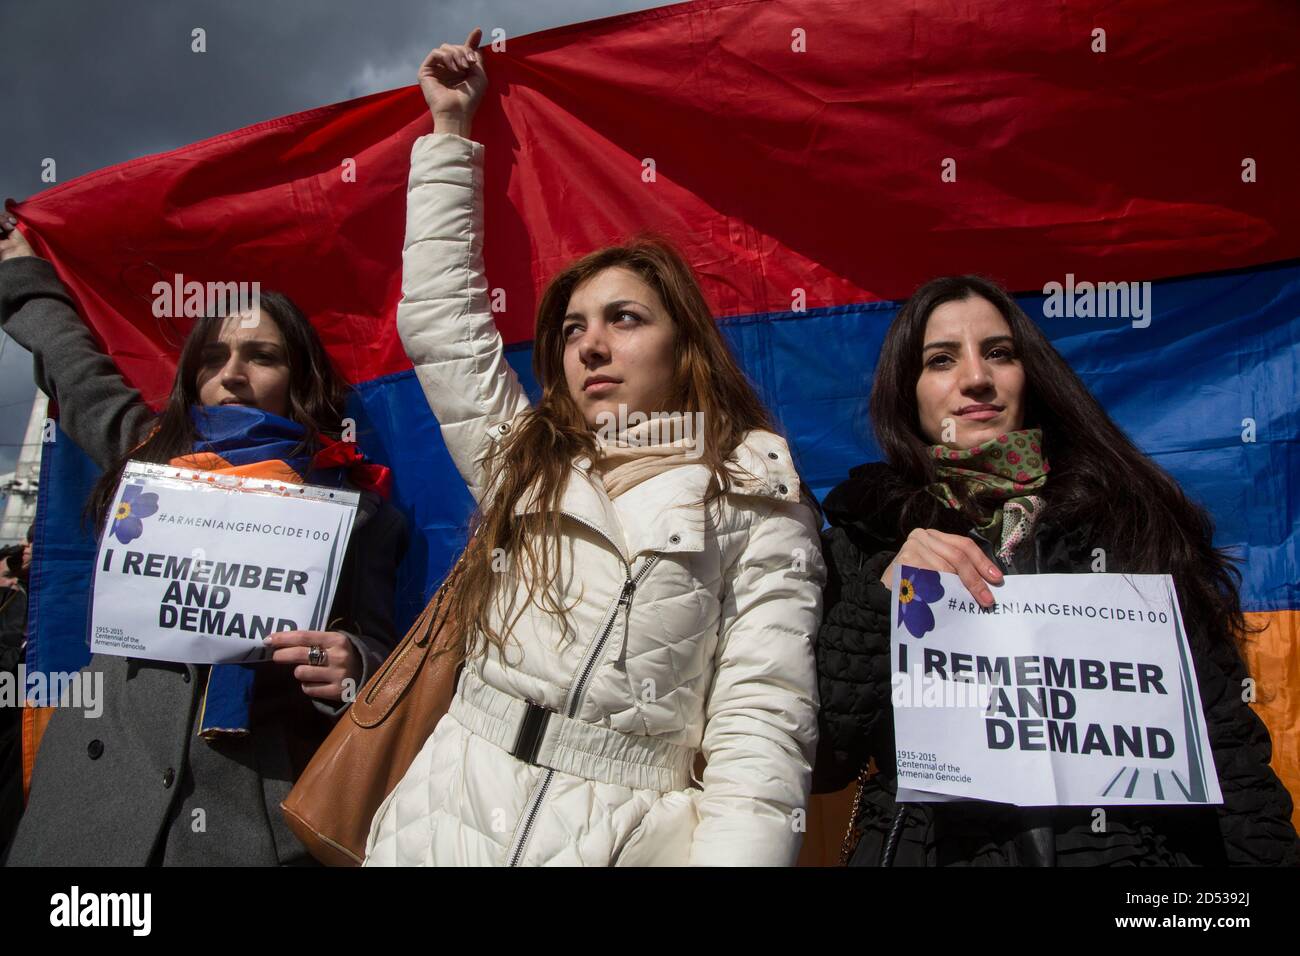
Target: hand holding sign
{"points": [[324, 681], [200, 569], [1072, 690], [952, 553]]}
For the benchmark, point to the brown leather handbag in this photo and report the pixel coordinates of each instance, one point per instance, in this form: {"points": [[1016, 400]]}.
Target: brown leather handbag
{"points": [[369, 750]]}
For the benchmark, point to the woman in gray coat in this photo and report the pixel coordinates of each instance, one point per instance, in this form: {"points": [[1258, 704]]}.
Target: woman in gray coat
{"points": [[145, 783]]}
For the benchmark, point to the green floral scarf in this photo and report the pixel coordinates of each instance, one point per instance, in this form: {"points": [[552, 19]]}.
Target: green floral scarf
{"points": [[1008, 467]]}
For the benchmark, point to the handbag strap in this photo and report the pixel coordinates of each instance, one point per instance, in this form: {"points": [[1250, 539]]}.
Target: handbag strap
{"points": [[390, 682], [854, 832], [437, 618]]}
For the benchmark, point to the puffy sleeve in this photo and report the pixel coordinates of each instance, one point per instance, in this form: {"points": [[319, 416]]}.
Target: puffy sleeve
{"points": [[760, 732], [444, 317], [856, 716]]}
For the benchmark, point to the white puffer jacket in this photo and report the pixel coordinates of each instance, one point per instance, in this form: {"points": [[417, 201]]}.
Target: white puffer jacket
{"points": [[690, 631]]}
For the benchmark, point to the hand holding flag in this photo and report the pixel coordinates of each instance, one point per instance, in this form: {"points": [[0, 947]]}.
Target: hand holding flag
{"points": [[453, 80], [12, 242]]}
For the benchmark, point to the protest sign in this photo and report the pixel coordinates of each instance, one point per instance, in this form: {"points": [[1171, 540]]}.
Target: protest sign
{"points": [[198, 567], [1074, 689]]}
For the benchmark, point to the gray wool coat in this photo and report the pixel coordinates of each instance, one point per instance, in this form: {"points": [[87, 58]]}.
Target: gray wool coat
{"points": [[137, 785]]}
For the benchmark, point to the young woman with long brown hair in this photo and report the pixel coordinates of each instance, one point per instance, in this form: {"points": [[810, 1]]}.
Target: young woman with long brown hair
{"points": [[187, 764], [631, 600], [999, 461]]}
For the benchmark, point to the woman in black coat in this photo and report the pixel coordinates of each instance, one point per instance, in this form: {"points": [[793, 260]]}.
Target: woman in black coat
{"points": [[148, 781], [999, 461]]}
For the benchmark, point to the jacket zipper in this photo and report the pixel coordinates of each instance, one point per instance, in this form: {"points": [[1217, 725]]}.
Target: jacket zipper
{"points": [[575, 695], [598, 646], [533, 807]]}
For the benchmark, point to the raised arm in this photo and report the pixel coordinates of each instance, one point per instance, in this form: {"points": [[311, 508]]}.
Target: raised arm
{"points": [[444, 317], [97, 409]]}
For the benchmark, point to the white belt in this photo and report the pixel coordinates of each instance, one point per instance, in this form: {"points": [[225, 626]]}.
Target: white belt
{"points": [[544, 738]]}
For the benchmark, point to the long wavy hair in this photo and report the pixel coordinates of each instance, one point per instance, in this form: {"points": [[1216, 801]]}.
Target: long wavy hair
{"points": [[317, 396], [536, 455], [1137, 512]]}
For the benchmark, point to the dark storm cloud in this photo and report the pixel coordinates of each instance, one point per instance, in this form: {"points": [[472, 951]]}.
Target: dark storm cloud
{"points": [[90, 83]]}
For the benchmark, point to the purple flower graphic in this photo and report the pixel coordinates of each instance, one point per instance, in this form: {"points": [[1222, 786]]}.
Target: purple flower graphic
{"points": [[135, 505], [918, 588]]}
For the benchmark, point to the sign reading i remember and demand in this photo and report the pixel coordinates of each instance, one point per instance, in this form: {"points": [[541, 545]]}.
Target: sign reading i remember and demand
{"points": [[1074, 689], [200, 568]]}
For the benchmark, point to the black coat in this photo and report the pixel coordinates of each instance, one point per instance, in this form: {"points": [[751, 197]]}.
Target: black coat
{"points": [[1253, 825]]}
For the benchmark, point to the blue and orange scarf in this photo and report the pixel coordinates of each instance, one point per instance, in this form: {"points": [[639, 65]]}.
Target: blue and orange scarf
{"points": [[238, 440]]}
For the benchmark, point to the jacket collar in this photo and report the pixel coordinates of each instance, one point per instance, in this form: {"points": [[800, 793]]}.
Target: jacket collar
{"points": [[665, 513], [867, 504]]}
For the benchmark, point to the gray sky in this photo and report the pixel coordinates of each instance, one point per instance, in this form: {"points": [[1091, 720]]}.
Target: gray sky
{"points": [[92, 83]]}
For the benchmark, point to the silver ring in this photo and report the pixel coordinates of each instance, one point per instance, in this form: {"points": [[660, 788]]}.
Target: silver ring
{"points": [[316, 656]]}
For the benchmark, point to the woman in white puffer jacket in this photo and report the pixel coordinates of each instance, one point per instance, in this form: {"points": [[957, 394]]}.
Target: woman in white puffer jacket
{"points": [[631, 602]]}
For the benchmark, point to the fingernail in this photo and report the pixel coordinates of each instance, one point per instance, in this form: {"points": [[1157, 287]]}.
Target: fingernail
{"points": [[268, 640], [993, 570]]}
